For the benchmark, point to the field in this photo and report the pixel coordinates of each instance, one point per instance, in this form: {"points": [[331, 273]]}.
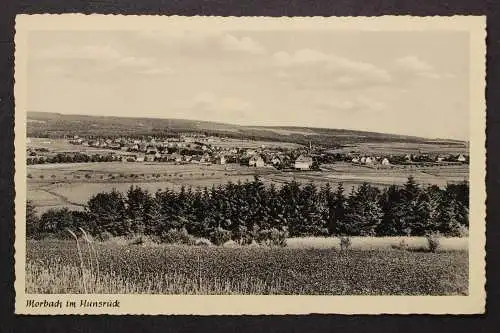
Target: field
{"points": [[71, 185], [53, 267], [405, 148]]}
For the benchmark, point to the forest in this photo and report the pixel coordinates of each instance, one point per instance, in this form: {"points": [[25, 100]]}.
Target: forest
{"points": [[249, 211]]}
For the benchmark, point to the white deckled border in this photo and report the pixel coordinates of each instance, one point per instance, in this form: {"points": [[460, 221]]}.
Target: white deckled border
{"points": [[205, 305]]}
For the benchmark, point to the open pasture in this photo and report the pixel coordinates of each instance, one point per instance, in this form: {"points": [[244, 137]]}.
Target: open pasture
{"points": [[252, 144], [61, 145], [53, 267], [377, 243], [405, 148]]}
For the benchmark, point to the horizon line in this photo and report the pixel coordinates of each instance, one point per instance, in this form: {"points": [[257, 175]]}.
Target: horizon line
{"points": [[467, 141]]}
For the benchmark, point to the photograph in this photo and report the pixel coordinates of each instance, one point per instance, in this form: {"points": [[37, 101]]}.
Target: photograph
{"points": [[262, 160]]}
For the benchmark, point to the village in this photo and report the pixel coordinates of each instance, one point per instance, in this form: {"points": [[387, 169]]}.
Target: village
{"points": [[193, 148]]}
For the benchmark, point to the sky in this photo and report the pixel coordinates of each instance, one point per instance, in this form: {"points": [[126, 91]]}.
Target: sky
{"points": [[407, 82]]}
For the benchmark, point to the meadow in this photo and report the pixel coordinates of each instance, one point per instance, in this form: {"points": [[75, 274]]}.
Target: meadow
{"points": [[53, 266]]}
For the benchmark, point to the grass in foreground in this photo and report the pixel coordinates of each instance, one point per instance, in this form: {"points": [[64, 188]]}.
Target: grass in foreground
{"points": [[54, 267]]}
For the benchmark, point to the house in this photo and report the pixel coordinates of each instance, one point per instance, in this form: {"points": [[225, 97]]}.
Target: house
{"points": [[250, 152], [461, 158], [303, 162], [276, 161], [362, 160], [140, 158], [256, 161], [368, 160], [205, 158], [355, 160], [221, 160], [176, 157], [385, 161]]}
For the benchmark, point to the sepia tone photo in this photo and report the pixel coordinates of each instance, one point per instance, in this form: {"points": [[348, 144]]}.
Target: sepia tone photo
{"points": [[181, 165]]}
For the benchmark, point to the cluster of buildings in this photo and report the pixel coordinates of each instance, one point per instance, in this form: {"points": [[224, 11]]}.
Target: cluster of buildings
{"points": [[196, 149], [201, 149], [408, 159]]}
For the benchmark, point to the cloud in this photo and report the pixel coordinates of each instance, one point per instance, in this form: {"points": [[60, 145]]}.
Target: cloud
{"points": [[86, 60], [315, 69], [415, 66], [244, 44], [361, 103], [202, 41]]}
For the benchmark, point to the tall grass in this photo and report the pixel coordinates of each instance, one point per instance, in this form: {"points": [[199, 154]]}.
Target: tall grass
{"points": [[87, 275], [56, 267]]}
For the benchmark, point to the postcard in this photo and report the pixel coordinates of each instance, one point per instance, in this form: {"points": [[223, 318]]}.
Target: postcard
{"points": [[172, 165]]}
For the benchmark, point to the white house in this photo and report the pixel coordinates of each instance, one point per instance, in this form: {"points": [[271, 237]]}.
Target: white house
{"points": [[303, 162], [385, 161], [355, 160], [461, 158], [256, 161], [221, 160], [368, 160]]}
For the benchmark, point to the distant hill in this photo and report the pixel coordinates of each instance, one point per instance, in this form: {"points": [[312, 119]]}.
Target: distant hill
{"points": [[44, 124]]}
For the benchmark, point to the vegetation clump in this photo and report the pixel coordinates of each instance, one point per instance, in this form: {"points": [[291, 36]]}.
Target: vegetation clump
{"points": [[249, 211]]}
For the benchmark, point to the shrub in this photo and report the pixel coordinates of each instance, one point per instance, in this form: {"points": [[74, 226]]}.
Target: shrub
{"points": [[202, 242], [177, 236], [345, 243], [272, 237], [219, 236], [278, 237], [433, 242], [461, 231], [240, 234], [144, 240], [230, 243]]}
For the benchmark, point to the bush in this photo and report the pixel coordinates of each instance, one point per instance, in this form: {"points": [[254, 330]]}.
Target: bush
{"points": [[461, 231], [433, 242], [145, 240], [345, 243], [230, 243], [272, 237], [219, 236], [202, 242], [177, 236]]}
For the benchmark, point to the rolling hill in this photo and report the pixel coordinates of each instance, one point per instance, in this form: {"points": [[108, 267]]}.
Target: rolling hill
{"points": [[45, 124]]}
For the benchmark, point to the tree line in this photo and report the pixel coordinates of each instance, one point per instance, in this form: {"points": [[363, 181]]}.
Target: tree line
{"points": [[240, 210]]}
